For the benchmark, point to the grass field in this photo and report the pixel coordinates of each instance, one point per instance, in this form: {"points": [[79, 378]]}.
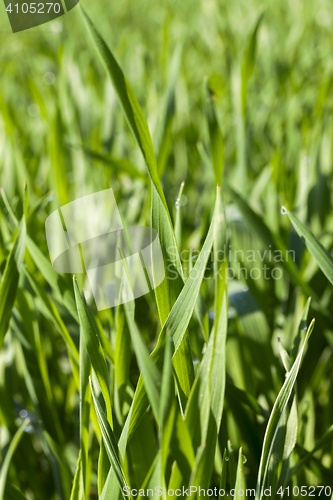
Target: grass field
{"points": [[212, 122]]}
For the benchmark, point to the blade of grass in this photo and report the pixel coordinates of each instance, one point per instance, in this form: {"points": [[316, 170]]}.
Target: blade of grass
{"points": [[322, 257], [9, 455], [216, 142], [276, 414], [109, 441], [94, 348], [10, 279], [77, 492], [240, 477]]}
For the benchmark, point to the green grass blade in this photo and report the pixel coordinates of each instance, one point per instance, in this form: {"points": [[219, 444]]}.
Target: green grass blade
{"points": [[168, 291], [77, 492], [94, 348], [276, 414], [216, 142], [325, 439], [117, 165], [178, 227], [223, 479], [177, 322], [321, 255], [51, 312], [53, 278], [12, 493], [150, 373], [129, 103], [9, 455], [85, 402], [10, 279], [301, 327], [249, 62], [240, 477], [218, 362], [109, 441], [258, 225], [122, 356]]}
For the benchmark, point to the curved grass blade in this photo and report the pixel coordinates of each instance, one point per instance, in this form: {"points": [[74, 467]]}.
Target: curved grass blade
{"points": [[53, 278], [85, 401], [119, 166], [249, 62], [257, 223], [170, 110], [323, 258], [51, 312], [178, 228], [218, 362], [276, 414], [109, 441]]}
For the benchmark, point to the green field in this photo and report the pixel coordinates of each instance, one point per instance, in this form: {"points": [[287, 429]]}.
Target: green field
{"points": [[212, 122]]}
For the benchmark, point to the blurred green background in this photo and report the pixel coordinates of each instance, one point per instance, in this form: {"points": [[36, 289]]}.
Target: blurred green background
{"points": [[62, 131]]}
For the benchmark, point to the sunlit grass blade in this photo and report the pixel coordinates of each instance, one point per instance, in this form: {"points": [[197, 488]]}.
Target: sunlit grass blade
{"points": [[290, 443], [240, 484], [9, 455], [276, 414], [178, 229], [218, 363], [258, 225], [85, 402], [321, 255], [109, 441], [150, 373], [77, 492], [177, 323], [165, 146], [223, 479], [300, 332], [201, 473]]}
